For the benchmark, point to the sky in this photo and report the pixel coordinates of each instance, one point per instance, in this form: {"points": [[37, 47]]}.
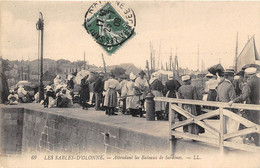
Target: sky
{"points": [[180, 27]]}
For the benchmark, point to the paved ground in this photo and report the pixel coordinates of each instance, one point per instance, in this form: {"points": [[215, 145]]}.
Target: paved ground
{"points": [[154, 128]]}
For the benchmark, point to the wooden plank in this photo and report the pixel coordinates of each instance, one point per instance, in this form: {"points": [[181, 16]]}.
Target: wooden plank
{"points": [[206, 126], [206, 110], [196, 137], [244, 147], [240, 132], [190, 118], [182, 123], [222, 130], [182, 112], [209, 103], [240, 119], [171, 123], [207, 115]]}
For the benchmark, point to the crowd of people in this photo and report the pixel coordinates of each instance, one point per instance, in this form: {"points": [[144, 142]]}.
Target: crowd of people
{"points": [[242, 87], [128, 94]]}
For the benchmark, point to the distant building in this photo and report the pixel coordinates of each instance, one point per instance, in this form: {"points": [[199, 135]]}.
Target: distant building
{"points": [[70, 68], [48, 77]]}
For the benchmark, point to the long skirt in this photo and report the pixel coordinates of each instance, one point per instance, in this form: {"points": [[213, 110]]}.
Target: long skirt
{"points": [[159, 106], [170, 94], [84, 95], [212, 95], [98, 99], [132, 102], [191, 128], [111, 98]]}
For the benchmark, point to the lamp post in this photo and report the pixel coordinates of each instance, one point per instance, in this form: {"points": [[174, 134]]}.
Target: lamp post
{"points": [[40, 27]]}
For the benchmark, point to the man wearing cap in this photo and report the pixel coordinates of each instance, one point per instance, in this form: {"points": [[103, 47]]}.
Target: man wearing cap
{"points": [[250, 94], [225, 89], [141, 85], [225, 93]]}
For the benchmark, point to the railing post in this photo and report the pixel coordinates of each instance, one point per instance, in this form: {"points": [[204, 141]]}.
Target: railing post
{"points": [[171, 122], [223, 130], [150, 109]]}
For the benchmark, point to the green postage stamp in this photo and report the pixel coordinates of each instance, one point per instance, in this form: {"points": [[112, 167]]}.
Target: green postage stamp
{"points": [[110, 24]]}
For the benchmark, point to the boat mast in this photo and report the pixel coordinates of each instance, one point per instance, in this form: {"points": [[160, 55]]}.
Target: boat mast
{"points": [[170, 63], [159, 56], [198, 63], [28, 67], [84, 61], [151, 55], [235, 60], [104, 63]]}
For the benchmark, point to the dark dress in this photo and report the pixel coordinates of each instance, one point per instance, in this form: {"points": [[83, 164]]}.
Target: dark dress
{"points": [[70, 84], [84, 91], [189, 92], [212, 95], [50, 93], [171, 87], [98, 89]]}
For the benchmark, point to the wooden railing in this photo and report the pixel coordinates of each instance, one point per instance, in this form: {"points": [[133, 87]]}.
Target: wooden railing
{"points": [[220, 136]]}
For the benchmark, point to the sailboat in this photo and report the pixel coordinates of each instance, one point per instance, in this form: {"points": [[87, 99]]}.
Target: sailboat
{"points": [[248, 55]]}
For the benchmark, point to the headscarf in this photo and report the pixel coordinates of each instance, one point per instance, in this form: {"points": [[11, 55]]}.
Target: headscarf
{"points": [[132, 76], [155, 76]]}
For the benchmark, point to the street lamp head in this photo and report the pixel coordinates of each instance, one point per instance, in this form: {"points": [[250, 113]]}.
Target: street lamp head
{"points": [[40, 23]]}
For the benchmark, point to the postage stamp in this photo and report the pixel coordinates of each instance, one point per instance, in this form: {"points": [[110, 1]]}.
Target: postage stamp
{"points": [[110, 24]]}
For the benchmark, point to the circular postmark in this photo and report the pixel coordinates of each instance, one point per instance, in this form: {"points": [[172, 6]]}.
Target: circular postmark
{"points": [[110, 23]]}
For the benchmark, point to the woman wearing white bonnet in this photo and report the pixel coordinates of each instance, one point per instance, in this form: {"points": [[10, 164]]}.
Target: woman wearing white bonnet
{"points": [[132, 76], [187, 91], [185, 78], [170, 76], [132, 104], [22, 94], [156, 89], [210, 87]]}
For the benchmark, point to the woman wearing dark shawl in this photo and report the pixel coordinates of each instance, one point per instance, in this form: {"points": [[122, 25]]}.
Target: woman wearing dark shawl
{"points": [[84, 92]]}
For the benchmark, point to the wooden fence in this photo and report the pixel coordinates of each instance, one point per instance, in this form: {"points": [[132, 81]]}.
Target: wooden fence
{"points": [[221, 137]]}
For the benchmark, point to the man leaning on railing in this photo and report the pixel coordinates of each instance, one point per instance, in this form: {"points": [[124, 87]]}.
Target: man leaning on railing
{"points": [[250, 94]]}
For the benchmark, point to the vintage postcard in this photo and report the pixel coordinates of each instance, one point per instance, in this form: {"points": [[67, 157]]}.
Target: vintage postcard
{"points": [[129, 84]]}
